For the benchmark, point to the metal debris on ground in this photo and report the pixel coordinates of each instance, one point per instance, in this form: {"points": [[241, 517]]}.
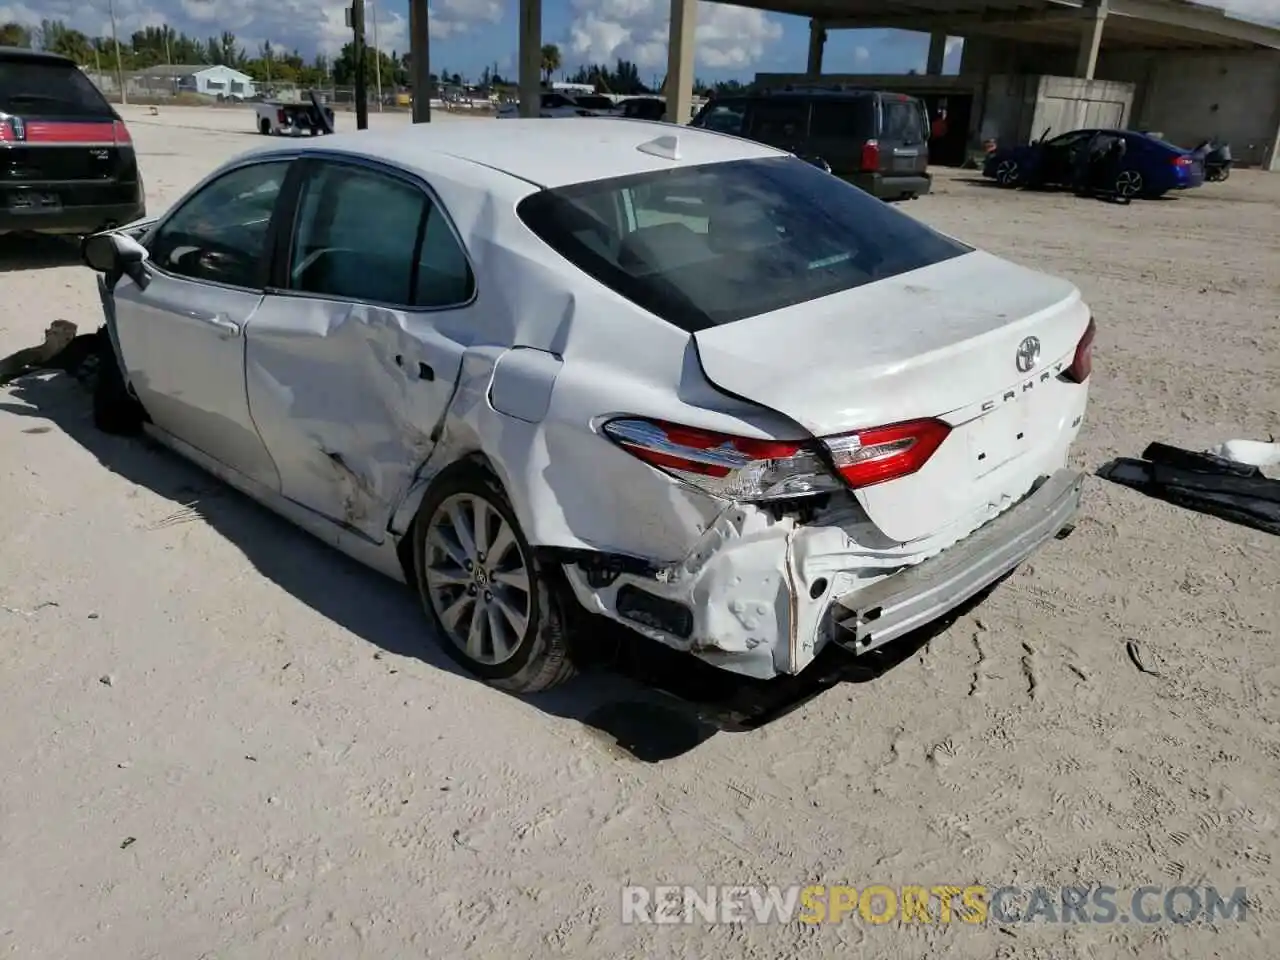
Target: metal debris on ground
{"points": [[1136, 655]]}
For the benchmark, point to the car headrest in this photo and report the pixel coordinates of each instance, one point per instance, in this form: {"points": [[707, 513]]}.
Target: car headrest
{"points": [[663, 245]]}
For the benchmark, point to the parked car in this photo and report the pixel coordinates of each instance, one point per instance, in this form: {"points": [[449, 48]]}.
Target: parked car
{"points": [[1151, 167], [874, 139], [67, 163], [552, 105], [687, 382], [644, 108], [597, 104]]}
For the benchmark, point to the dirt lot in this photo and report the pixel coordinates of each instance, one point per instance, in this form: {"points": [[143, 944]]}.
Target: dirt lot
{"points": [[220, 739]]}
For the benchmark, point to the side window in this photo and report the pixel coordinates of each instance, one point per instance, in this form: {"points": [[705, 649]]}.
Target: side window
{"points": [[219, 235], [839, 119], [779, 121], [722, 117], [553, 101], [355, 235], [444, 275], [902, 122]]}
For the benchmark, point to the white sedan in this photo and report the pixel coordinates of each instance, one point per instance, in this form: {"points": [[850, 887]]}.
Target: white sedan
{"points": [[686, 381]]}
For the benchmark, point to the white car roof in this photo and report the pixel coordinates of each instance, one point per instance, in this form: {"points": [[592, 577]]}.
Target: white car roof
{"points": [[545, 152]]}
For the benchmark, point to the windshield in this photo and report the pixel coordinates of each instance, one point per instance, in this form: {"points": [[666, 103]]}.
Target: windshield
{"points": [[30, 87], [591, 102], [708, 245]]}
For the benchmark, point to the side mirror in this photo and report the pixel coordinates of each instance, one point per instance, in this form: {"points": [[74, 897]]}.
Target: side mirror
{"points": [[115, 254]]}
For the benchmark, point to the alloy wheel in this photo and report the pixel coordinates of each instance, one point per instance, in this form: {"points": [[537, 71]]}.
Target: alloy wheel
{"points": [[477, 578], [1128, 183], [1007, 173]]}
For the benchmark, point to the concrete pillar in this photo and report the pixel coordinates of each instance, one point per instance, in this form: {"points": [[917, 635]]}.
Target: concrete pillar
{"points": [[817, 41], [530, 58], [1095, 17], [937, 54], [420, 61], [680, 59]]}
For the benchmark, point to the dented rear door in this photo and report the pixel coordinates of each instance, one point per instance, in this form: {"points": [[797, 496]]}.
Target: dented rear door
{"points": [[348, 374]]}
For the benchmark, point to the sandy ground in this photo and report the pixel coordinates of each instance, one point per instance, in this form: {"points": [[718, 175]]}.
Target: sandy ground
{"points": [[220, 739]]}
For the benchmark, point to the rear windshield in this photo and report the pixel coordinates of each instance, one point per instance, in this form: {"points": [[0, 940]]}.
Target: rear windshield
{"points": [[708, 245], [33, 87], [593, 102]]}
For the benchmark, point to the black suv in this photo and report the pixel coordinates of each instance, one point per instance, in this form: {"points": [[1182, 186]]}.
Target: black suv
{"points": [[876, 140], [67, 163]]}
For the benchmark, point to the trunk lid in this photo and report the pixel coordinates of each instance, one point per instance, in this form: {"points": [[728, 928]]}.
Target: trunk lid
{"points": [[940, 342]]}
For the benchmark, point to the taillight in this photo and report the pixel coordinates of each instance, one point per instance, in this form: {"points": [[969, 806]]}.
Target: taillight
{"points": [[1183, 161], [871, 156], [1082, 362], [120, 132], [736, 468], [281, 118], [886, 453]]}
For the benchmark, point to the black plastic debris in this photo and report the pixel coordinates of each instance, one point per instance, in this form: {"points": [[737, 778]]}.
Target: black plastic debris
{"points": [[1202, 482]]}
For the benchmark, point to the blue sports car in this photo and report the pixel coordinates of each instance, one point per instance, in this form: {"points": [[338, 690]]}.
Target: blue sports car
{"points": [[1149, 167]]}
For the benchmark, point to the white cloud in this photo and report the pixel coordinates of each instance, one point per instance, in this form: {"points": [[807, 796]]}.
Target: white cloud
{"points": [[308, 25], [728, 37]]}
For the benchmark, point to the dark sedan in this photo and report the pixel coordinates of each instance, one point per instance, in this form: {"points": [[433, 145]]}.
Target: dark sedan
{"points": [[1149, 168]]}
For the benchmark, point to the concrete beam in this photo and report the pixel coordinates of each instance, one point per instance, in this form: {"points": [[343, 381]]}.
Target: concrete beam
{"points": [[420, 60], [680, 59], [1095, 18], [955, 24], [817, 41], [530, 58], [937, 53], [1199, 18]]}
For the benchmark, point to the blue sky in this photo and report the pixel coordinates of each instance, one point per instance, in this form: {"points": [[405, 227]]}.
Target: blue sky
{"points": [[467, 35]]}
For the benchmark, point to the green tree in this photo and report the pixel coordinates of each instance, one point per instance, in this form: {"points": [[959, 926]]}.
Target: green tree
{"points": [[15, 35], [550, 60]]}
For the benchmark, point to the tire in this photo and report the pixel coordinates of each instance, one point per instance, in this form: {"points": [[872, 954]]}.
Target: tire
{"points": [[454, 578], [115, 409], [264, 127], [1128, 184], [1224, 174], [1008, 174]]}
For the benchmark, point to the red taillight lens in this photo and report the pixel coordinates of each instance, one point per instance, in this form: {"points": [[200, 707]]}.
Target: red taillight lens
{"points": [[1183, 161], [871, 156], [886, 453], [1082, 362], [736, 468], [120, 132], [281, 118]]}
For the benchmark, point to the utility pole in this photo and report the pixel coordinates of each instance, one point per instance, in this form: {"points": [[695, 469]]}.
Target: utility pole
{"points": [[124, 97], [377, 56], [356, 13], [420, 60], [168, 57]]}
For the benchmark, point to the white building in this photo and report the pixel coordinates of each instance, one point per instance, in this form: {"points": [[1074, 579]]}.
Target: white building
{"points": [[210, 80]]}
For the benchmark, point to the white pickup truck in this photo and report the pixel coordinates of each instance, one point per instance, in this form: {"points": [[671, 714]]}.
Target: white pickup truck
{"points": [[291, 119]]}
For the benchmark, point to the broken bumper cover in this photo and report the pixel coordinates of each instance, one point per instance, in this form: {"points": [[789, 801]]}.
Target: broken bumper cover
{"points": [[762, 598], [874, 615]]}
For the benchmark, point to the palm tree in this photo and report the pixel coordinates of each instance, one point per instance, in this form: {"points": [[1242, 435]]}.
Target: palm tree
{"points": [[550, 60]]}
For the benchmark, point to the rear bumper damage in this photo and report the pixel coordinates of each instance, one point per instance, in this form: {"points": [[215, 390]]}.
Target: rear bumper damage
{"points": [[761, 596]]}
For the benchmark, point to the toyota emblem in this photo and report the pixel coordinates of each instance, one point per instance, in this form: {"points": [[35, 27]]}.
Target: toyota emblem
{"points": [[1027, 355]]}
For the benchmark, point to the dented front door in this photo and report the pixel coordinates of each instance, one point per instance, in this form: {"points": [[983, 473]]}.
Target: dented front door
{"points": [[347, 397]]}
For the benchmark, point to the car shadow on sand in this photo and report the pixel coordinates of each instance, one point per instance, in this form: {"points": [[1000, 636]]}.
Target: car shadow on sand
{"points": [[642, 699], [37, 252]]}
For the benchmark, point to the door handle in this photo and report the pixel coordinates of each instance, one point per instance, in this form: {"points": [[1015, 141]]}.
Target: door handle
{"points": [[225, 326]]}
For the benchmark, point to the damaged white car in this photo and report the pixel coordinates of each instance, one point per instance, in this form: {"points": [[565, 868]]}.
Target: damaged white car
{"points": [[686, 381]]}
